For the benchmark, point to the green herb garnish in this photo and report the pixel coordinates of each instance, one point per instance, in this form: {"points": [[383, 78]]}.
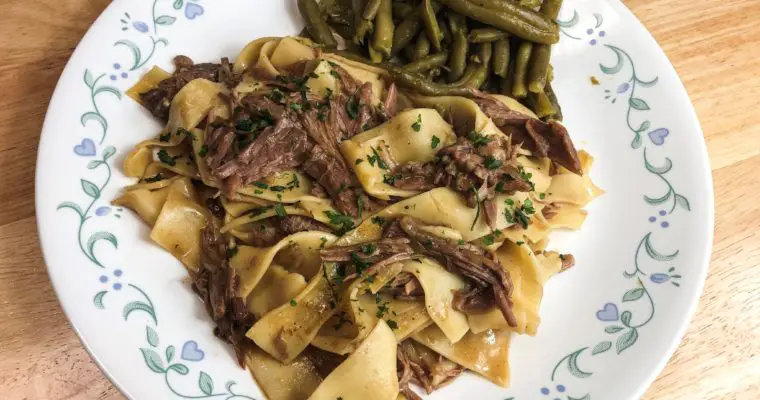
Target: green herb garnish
{"points": [[279, 209], [417, 125], [434, 142], [492, 163], [343, 222], [165, 158]]}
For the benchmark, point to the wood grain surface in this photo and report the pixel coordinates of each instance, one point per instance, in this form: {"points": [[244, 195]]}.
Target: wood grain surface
{"points": [[712, 44]]}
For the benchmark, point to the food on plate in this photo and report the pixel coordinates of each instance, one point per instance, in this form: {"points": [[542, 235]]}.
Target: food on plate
{"points": [[498, 46], [350, 232]]}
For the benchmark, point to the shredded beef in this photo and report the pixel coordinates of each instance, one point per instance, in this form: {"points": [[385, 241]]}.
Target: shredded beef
{"points": [[481, 268], [367, 259], [545, 139], [419, 365], [477, 167], [568, 261], [159, 99], [297, 223], [476, 300], [217, 285]]}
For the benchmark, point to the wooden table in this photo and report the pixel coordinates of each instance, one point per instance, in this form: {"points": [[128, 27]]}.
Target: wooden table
{"points": [[712, 44]]}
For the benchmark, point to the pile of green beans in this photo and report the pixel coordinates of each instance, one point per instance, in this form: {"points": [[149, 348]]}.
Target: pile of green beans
{"points": [[448, 47]]}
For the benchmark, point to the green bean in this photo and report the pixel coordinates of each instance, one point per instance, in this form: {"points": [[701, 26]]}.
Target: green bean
{"points": [[484, 53], [519, 90], [427, 63], [407, 30], [401, 10], [370, 9], [510, 17], [459, 46], [541, 104], [553, 99], [551, 8], [421, 47], [430, 23], [485, 35], [463, 87], [374, 55], [505, 84], [383, 35], [500, 57], [530, 3], [409, 52], [315, 22], [362, 27], [539, 64], [445, 31], [549, 74]]}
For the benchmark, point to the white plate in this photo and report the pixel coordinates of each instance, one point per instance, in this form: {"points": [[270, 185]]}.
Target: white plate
{"points": [[608, 326]]}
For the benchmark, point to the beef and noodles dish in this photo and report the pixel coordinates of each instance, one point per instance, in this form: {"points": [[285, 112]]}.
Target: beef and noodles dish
{"points": [[350, 235]]}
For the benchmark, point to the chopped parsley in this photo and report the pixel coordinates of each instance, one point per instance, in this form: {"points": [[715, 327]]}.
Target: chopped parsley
{"points": [[293, 303], [155, 178], [389, 179], [165, 137], [294, 183], [377, 220], [478, 139], [520, 214], [186, 132], [375, 158], [542, 196], [526, 176], [489, 239], [322, 117], [461, 242], [417, 125], [434, 142], [334, 74], [562, 257], [244, 125], [296, 106], [277, 188], [342, 222], [276, 95], [203, 151], [260, 184], [392, 324], [519, 242], [165, 158], [353, 106], [492, 163], [324, 241], [279, 209], [359, 161]]}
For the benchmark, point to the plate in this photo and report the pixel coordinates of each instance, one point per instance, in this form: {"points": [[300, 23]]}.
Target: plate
{"points": [[609, 325]]}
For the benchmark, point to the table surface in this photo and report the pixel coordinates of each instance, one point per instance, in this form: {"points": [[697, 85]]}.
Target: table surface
{"points": [[711, 44]]}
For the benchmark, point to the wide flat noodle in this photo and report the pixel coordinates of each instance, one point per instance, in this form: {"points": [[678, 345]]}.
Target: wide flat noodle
{"points": [[439, 286], [178, 227], [286, 331], [440, 206], [486, 353], [283, 187], [276, 287], [344, 332], [529, 273], [368, 374], [463, 112], [148, 82], [249, 56], [145, 202], [567, 187], [404, 138], [300, 251], [294, 381]]}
